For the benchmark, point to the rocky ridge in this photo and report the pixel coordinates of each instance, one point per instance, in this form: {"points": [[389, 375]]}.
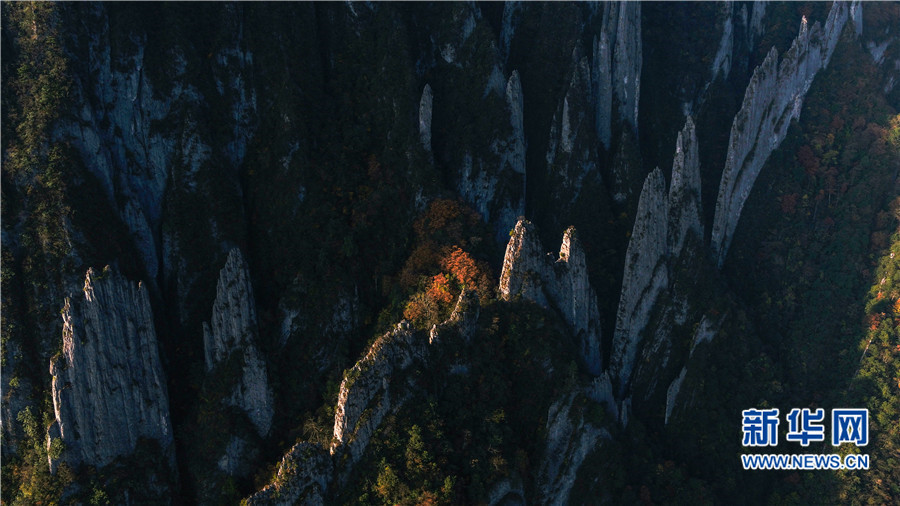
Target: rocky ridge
{"points": [[662, 227], [773, 99], [561, 282], [370, 390]]}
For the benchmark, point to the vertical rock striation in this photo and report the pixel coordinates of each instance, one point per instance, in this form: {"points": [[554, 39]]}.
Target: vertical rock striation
{"points": [[684, 190], [425, 104], [570, 439], [232, 329], [644, 278], [108, 384], [562, 283], [773, 99], [628, 60], [303, 477], [601, 78], [371, 388]]}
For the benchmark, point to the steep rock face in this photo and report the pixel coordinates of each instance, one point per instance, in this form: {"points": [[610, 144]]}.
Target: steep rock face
{"points": [[706, 331], [571, 155], [664, 228], [773, 98], [562, 283], [232, 329], [722, 63], [365, 396], [370, 389], [684, 190], [524, 265], [601, 78], [645, 276], [108, 385], [628, 61], [425, 104], [303, 477], [116, 140], [570, 439]]}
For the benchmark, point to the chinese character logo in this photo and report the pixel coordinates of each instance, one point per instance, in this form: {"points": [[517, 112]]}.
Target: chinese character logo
{"points": [[850, 426], [760, 427], [803, 425]]}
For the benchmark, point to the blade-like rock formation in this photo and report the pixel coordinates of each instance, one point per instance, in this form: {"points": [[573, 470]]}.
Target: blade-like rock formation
{"points": [[232, 329], [562, 283], [773, 99], [109, 390]]}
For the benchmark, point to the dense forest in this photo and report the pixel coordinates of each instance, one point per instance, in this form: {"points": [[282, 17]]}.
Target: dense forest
{"points": [[446, 253]]}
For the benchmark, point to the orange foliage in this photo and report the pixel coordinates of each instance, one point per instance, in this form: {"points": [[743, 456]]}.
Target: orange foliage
{"points": [[440, 289], [470, 274]]}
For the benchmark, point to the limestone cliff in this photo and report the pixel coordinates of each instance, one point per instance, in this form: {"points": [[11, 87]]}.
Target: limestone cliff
{"points": [[109, 390], [571, 157], [601, 78], [570, 439], [628, 61], [684, 190], [425, 104], [303, 477], [644, 278], [561, 283], [232, 329], [370, 390], [773, 99]]}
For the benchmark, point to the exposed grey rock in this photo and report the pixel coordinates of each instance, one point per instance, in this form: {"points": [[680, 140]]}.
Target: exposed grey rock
{"points": [[601, 77], [644, 278], [570, 439], [115, 135], [528, 273], [425, 105], [235, 455], [232, 329], [108, 384], [571, 153], [303, 477], [706, 331], [684, 190], [365, 396], [856, 15], [672, 393], [368, 391], [722, 62], [512, 16], [524, 265], [773, 99], [516, 103], [756, 17], [601, 391], [628, 61]]}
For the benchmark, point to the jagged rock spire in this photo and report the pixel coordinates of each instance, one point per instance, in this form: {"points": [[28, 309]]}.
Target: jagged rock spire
{"points": [[109, 389], [644, 278], [684, 191], [561, 283], [232, 329], [773, 99]]}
